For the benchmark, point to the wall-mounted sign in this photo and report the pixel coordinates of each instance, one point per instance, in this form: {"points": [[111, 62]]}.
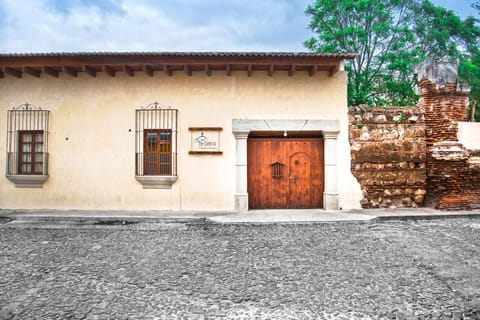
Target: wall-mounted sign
{"points": [[205, 140]]}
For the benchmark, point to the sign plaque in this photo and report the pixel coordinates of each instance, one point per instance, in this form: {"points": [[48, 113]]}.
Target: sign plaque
{"points": [[205, 140]]}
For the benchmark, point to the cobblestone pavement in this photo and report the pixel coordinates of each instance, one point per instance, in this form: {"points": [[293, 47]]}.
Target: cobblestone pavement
{"points": [[379, 270]]}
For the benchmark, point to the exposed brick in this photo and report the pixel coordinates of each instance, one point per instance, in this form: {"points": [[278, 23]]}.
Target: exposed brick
{"points": [[407, 157], [451, 182]]}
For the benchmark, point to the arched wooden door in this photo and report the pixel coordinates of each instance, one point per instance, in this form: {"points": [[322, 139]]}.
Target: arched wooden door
{"points": [[285, 173]]}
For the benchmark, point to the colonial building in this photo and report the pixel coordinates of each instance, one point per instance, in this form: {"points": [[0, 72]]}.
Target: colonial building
{"points": [[175, 131]]}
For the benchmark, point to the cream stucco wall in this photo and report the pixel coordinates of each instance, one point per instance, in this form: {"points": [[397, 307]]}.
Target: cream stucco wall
{"points": [[92, 134], [468, 133]]}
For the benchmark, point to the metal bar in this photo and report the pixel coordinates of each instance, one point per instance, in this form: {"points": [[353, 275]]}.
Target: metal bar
{"points": [[176, 140], [136, 142]]}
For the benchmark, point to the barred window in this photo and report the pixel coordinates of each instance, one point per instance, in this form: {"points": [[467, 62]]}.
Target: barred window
{"points": [[27, 145], [156, 146]]}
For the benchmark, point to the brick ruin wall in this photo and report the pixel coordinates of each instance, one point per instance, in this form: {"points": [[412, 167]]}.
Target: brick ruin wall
{"points": [[409, 157], [453, 172], [388, 155]]}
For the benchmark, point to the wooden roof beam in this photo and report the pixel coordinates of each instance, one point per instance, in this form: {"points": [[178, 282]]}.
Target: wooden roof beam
{"points": [[228, 69], [50, 71], [249, 70], [208, 70], [12, 72], [188, 70], [32, 72], [109, 70], [89, 70], [167, 70], [291, 71], [335, 69], [313, 70], [70, 71], [148, 70], [128, 70], [271, 68]]}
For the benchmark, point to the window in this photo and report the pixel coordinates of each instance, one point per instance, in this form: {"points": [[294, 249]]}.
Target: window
{"points": [[158, 152], [156, 146], [30, 160], [27, 146]]}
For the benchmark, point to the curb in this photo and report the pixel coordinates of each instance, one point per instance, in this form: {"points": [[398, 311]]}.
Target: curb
{"points": [[124, 220], [114, 220]]}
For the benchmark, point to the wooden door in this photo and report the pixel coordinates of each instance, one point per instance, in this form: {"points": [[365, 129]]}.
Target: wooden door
{"points": [[158, 152], [285, 173]]}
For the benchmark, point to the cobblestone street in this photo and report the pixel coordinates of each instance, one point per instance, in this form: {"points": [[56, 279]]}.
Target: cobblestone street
{"points": [[376, 270]]}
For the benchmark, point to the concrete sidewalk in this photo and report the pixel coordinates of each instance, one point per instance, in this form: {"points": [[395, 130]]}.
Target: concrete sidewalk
{"points": [[249, 217]]}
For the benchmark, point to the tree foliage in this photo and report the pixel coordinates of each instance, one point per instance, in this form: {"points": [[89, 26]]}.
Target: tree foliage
{"points": [[390, 38]]}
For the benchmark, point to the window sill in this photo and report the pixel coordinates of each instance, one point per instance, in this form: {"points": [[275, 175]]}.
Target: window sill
{"points": [[27, 180], [156, 182]]}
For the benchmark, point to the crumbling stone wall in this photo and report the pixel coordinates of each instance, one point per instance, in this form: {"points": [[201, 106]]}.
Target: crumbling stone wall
{"points": [[453, 174], [408, 157], [388, 155]]}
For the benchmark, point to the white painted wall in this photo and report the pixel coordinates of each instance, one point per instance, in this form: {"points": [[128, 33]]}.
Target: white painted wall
{"points": [[469, 135], [94, 168]]}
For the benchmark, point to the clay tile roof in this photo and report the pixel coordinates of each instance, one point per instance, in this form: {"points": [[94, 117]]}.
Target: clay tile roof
{"points": [[186, 54], [73, 63]]}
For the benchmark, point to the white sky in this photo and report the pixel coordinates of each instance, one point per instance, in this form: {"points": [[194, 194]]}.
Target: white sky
{"points": [[161, 25]]}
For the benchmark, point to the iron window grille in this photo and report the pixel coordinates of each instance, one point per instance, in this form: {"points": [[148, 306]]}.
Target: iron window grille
{"points": [[27, 140], [156, 141]]}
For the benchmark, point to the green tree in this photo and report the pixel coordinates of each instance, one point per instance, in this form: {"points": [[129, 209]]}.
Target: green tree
{"points": [[390, 38], [469, 71]]}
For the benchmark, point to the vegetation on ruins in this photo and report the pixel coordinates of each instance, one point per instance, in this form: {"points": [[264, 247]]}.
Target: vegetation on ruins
{"points": [[390, 38]]}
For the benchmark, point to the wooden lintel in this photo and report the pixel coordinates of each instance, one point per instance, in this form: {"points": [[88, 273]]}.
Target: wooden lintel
{"points": [[291, 71], [206, 152], [128, 70], [228, 69], [313, 70], [208, 70], [92, 72], [271, 68], [70, 71], [167, 70], [32, 72], [249, 70], [148, 70], [50, 71], [13, 72], [109, 70], [188, 70], [334, 70]]}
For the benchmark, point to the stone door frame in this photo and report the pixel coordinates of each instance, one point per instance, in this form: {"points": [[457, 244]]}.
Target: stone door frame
{"points": [[329, 128]]}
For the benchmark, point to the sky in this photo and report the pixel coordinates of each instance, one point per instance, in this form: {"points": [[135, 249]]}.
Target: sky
{"points": [[161, 25]]}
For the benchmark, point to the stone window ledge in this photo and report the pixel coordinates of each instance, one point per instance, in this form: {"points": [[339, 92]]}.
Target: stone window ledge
{"points": [[27, 181], [156, 182]]}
